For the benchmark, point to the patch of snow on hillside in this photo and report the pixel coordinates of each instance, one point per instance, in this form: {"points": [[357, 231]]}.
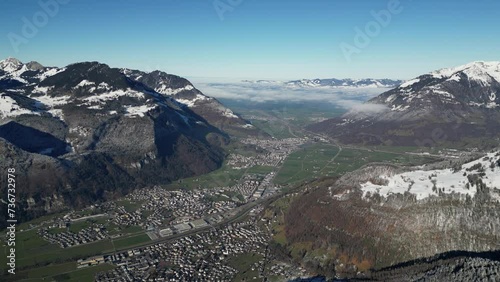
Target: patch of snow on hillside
{"points": [[164, 89], [57, 113], [17, 73], [42, 90], [192, 102], [424, 184], [113, 95], [391, 98], [52, 101], [84, 83], [347, 121], [228, 113], [10, 108], [400, 108], [410, 83], [454, 77], [442, 92], [80, 130], [50, 72], [139, 111], [102, 86]]}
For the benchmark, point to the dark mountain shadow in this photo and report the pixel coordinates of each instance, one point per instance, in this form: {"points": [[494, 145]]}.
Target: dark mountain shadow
{"points": [[33, 140], [10, 83], [492, 255]]}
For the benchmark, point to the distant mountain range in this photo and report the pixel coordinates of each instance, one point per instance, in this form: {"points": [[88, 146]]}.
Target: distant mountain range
{"points": [[448, 105], [332, 83], [87, 132]]}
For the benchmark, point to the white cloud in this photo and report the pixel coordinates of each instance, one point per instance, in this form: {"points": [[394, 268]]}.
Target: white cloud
{"points": [[369, 108], [276, 92]]}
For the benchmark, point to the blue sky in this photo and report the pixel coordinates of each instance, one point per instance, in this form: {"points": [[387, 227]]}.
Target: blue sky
{"points": [[254, 39]]}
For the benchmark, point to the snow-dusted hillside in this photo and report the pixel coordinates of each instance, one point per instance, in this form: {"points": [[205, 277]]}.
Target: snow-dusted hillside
{"points": [[184, 92], [427, 183]]}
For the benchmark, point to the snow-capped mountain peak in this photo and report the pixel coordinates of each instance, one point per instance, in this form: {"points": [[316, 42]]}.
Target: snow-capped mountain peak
{"points": [[10, 65], [474, 70], [475, 84], [479, 71], [32, 89]]}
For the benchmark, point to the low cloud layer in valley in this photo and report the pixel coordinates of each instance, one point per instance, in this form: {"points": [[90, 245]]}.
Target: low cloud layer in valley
{"points": [[262, 92]]}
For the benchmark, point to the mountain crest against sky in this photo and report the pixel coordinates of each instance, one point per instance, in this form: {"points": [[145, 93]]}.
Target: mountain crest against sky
{"points": [[474, 85], [461, 102], [94, 78]]}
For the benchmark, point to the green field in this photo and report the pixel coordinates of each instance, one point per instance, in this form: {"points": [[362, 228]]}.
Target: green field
{"points": [[258, 169], [224, 176], [124, 243], [37, 259], [84, 274], [129, 205], [27, 225], [33, 251], [76, 227], [306, 163], [276, 129], [317, 160], [61, 272]]}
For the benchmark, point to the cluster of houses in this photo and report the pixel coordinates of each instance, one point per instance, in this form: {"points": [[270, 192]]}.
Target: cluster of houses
{"points": [[205, 256], [121, 217], [276, 151], [65, 238]]}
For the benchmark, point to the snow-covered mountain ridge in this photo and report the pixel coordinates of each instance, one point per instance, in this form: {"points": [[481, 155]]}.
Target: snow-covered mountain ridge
{"points": [[331, 83], [476, 84]]}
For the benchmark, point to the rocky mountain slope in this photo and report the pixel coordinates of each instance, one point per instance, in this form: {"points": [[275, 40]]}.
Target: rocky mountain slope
{"points": [[447, 105], [383, 215], [184, 92], [88, 132]]}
